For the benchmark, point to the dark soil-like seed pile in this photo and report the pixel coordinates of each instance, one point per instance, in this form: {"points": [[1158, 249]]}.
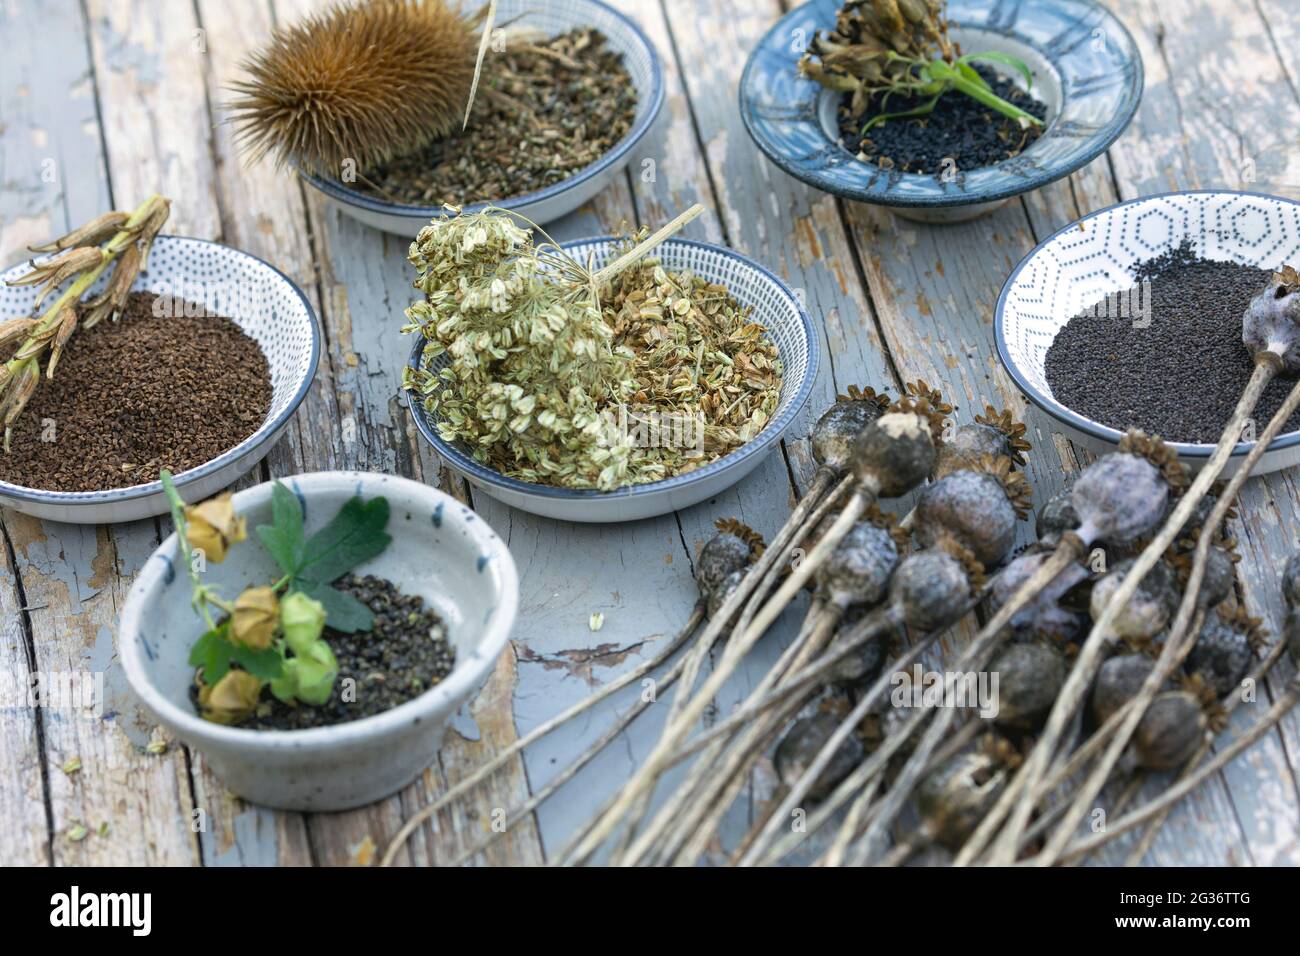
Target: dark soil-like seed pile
{"points": [[1180, 378], [960, 128], [134, 396], [405, 654], [543, 112]]}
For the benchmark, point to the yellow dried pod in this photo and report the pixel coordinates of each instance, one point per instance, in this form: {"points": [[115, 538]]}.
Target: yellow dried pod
{"points": [[232, 699], [253, 623], [213, 527]]}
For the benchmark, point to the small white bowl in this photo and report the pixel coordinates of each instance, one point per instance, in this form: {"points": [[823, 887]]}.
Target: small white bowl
{"points": [[440, 551], [1095, 256], [551, 17], [263, 302], [776, 307]]}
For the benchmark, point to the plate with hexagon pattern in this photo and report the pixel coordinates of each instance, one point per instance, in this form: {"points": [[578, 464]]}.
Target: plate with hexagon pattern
{"points": [[1095, 257]]}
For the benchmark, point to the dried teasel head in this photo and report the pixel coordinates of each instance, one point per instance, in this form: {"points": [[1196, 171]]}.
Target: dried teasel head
{"points": [[1154, 450], [362, 81]]}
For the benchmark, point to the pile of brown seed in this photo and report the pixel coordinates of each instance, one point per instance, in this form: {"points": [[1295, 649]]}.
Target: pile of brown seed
{"points": [[134, 396]]}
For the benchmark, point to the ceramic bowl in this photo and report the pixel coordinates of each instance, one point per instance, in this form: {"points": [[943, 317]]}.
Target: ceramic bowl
{"points": [[440, 551], [775, 306], [262, 301], [1095, 256], [544, 205], [1086, 69]]}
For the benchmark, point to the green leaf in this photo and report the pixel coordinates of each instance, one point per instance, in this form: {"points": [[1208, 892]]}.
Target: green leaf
{"points": [[267, 664], [923, 110], [968, 71], [214, 652], [343, 612], [992, 56], [354, 535], [283, 538]]}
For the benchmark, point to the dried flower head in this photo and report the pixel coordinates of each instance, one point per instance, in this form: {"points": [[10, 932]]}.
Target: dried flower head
{"points": [[921, 391], [1154, 450], [363, 81], [854, 393], [744, 532], [256, 614], [212, 527], [1014, 430]]}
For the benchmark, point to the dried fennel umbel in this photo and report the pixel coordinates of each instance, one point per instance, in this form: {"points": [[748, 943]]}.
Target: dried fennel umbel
{"points": [[553, 374]]}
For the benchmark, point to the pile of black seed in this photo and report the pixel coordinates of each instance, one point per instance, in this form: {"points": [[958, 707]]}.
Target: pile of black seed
{"points": [[960, 128], [402, 656], [1180, 378]]}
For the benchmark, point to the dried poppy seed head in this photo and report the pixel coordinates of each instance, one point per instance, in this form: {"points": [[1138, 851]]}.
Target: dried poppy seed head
{"points": [[1118, 682], [973, 508], [896, 453], [1119, 498], [1272, 321], [1030, 677], [859, 568], [1148, 610], [366, 82], [1219, 577], [1291, 593], [954, 798], [861, 665], [801, 745], [731, 549], [1055, 518], [1044, 615], [717, 596], [1170, 732], [1222, 654], [931, 589], [835, 432]]}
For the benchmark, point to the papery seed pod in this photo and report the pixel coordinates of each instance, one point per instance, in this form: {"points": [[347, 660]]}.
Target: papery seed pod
{"points": [[63, 267], [92, 233], [1045, 615], [254, 619], [21, 393], [212, 527], [232, 700], [860, 666], [801, 745], [67, 325], [1149, 609], [954, 798], [1030, 677], [1171, 731], [15, 330]]}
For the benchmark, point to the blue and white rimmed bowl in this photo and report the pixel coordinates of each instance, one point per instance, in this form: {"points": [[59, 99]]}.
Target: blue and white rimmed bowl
{"points": [[1095, 257], [263, 302], [440, 551], [775, 307], [551, 17], [1086, 69]]}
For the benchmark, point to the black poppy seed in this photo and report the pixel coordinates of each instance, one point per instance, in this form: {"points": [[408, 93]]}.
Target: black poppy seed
{"points": [[960, 130], [1181, 376]]}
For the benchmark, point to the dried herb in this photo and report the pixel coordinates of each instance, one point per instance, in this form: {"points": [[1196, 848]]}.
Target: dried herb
{"points": [[554, 375], [547, 108]]}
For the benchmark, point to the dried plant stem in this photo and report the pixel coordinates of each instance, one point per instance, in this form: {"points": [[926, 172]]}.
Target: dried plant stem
{"points": [[643, 248], [1179, 633], [721, 786], [485, 771], [975, 656], [1027, 781], [736, 649], [1183, 787], [485, 40], [1144, 845]]}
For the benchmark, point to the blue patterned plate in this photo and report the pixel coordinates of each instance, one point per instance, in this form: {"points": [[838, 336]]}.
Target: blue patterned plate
{"points": [[1095, 256], [1086, 68]]}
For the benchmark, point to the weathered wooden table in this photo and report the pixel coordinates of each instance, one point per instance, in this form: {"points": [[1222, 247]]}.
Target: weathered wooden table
{"points": [[103, 102]]}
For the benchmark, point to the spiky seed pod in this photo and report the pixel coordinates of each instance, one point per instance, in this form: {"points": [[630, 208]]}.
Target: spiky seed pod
{"points": [[1118, 681], [1222, 654], [1148, 610], [365, 81], [954, 798], [835, 432], [1055, 518], [931, 588], [1030, 677], [800, 746], [67, 325], [897, 452], [1119, 498], [1170, 732], [859, 568], [1272, 320], [977, 507]]}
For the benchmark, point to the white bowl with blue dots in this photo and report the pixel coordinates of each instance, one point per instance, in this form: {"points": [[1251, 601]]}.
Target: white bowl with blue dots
{"points": [[1095, 257], [440, 551], [257, 297]]}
